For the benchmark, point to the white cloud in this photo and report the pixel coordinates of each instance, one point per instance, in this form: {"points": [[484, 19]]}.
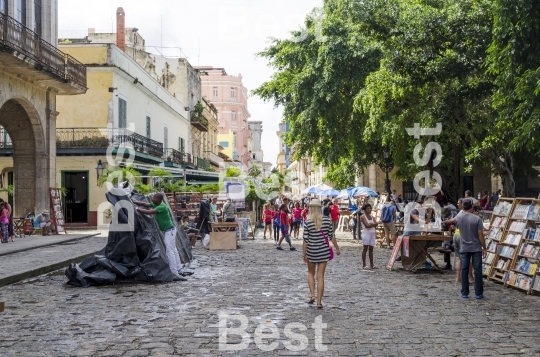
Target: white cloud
{"points": [[209, 32]]}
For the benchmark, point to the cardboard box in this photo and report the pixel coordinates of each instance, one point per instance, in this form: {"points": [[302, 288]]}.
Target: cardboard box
{"points": [[223, 240]]}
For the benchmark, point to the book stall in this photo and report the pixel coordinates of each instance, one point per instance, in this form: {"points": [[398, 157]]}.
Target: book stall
{"points": [[513, 244]]}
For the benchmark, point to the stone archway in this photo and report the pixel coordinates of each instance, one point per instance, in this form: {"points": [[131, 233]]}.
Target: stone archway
{"points": [[31, 161]]}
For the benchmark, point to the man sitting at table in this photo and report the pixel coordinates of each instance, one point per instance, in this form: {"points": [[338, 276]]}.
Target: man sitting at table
{"points": [[190, 230], [44, 222]]}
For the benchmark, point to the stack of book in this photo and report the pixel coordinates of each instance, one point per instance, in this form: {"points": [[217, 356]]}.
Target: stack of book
{"points": [[517, 226], [534, 234], [502, 208], [518, 280], [520, 212], [499, 222], [534, 212], [505, 251], [530, 251], [525, 266], [513, 239]]}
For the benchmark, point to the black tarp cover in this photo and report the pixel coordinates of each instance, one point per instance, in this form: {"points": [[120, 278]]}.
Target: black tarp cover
{"points": [[137, 254], [204, 216]]}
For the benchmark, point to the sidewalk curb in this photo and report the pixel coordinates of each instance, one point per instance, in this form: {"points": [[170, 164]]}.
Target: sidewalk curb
{"points": [[42, 270], [48, 244]]}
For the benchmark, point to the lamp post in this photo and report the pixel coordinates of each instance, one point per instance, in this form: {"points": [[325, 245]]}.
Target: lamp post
{"points": [[386, 164], [99, 169]]}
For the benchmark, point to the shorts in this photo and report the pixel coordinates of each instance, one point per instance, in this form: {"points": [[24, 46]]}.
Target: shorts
{"points": [[284, 231], [296, 224], [389, 227], [268, 223]]}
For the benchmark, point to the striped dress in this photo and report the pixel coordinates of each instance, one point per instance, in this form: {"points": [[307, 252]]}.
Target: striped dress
{"points": [[317, 250]]}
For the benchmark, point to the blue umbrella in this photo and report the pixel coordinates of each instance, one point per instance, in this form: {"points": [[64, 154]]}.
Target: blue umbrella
{"points": [[358, 191], [330, 192], [312, 189]]}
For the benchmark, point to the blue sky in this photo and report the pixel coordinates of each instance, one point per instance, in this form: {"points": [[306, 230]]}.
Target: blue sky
{"points": [[209, 32]]}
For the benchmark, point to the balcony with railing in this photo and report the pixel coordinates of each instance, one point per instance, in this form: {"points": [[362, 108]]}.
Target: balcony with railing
{"points": [[199, 122], [174, 157], [80, 140], [27, 53]]}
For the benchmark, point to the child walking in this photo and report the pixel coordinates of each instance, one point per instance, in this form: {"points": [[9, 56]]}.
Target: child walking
{"points": [[284, 225], [267, 218]]}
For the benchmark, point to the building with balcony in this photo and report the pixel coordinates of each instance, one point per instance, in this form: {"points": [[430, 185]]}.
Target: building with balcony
{"points": [[229, 96], [178, 77], [34, 74]]}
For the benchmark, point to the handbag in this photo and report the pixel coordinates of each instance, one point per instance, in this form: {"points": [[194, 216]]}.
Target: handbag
{"points": [[329, 247]]}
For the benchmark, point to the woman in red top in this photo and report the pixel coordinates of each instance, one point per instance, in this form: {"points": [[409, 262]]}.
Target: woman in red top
{"points": [[275, 212], [268, 215], [284, 225], [334, 213], [297, 219]]}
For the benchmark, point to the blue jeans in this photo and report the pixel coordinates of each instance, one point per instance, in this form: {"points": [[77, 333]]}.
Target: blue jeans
{"points": [[477, 267]]}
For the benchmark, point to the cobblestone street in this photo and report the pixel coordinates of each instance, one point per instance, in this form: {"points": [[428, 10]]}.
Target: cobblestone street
{"points": [[368, 313]]}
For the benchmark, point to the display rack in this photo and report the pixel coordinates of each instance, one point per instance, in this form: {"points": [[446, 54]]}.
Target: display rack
{"points": [[524, 268], [57, 214], [497, 226], [186, 203]]}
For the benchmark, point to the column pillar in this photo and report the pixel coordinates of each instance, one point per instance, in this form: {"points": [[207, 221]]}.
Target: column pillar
{"points": [[372, 174]]}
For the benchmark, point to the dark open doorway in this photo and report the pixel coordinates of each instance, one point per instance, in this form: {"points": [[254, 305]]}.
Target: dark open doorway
{"points": [[76, 199]]}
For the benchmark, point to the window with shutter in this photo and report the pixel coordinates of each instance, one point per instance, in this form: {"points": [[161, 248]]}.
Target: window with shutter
{"points": [[181, 144], [20, 11], [37, 16], [3, 6], [166, 137], [122, 113]]}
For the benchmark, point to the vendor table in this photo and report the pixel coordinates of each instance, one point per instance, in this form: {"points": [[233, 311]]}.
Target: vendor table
{"points": [[223, 235], [422, 250]]}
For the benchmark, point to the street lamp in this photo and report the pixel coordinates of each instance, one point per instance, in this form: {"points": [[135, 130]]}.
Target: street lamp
{"points": [[99, 169], [386, 164]]}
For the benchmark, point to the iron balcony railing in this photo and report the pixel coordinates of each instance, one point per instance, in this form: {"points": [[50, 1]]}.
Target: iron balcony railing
{"points": [[203, 163], [90, 138], [177, 157], [14, 36]]}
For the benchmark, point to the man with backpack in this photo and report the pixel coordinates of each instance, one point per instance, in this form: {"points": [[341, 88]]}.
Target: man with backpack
{"points": [[388, 218]]}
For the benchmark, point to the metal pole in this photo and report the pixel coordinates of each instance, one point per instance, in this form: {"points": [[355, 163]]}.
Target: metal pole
{"points": [[387, 183]]}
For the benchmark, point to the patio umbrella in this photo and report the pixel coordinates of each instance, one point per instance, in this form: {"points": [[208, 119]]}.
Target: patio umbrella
{"points": [[357, 191], [330, 192], [313, 189], [362, 191]]}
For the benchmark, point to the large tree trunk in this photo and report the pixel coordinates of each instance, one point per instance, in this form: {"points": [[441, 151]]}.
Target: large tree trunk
{"points": [[504, 167]]}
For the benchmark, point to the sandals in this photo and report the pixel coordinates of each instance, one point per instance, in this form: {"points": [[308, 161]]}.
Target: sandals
{"points": [[319, 306], [366, 268], [374, 267], [311, 300]]}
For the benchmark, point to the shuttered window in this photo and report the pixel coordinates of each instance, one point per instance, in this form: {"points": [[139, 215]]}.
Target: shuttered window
{"points": [[165, 137], [149, 127], [37, 16], [181, 144], [3, 6], [122, 113]]}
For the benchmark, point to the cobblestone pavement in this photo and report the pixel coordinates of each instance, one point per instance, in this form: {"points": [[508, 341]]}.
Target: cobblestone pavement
{"points": [[377, 313]]}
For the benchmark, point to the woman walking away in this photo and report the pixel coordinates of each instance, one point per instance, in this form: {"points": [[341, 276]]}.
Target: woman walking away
{"points": [[368, 235], [297, 219], [275, 223], [318, 231], [284, 225], [268, 215], [4, 222]]}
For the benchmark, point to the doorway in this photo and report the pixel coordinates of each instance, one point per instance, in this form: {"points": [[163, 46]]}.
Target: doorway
{"points": [[76, 197]]}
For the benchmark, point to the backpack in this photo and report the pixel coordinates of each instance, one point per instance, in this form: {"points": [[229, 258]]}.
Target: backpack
{"points": [[386, 215]]}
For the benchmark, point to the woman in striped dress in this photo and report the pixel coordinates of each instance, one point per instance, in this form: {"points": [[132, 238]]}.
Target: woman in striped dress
{"points": [[316, 252]]}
